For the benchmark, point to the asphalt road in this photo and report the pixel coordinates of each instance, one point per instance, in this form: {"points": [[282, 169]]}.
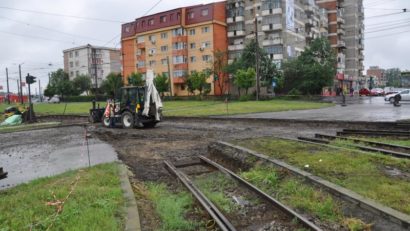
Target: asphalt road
{"points": [[368, 109]]}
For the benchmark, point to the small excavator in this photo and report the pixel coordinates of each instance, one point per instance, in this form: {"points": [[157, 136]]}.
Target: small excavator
{"points": [[135, 106]]}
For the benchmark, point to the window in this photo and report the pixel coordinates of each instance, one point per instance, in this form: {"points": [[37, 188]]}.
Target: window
{"points": [[71, 74], [178, 16], [152, 51], [206, 44], [152, 63], [77, 63], [179, 73], [76, 54], [141, 64], [164, 48], [205, 12], [152, 38], [192, 32], [192, 45], [77, 73], [140, 39], [205, 29], [71, 54], [151, 22], [206, 58], [179, 46], [193, 59], [163, 19], [179, 59], [164, 62], [143, 24], [191, 15], [178, 32], [71, 64], [164, 35]]}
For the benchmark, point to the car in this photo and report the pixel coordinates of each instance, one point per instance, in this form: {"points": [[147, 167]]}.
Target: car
{"points": [[364, 91], [405, 96], [54, 99], [376, 92]]}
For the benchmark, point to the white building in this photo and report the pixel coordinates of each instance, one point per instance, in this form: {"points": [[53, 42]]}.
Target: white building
{"points": [[93, 61]]}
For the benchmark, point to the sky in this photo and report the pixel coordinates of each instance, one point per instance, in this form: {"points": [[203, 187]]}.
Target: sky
{"points": [[34, 33]]}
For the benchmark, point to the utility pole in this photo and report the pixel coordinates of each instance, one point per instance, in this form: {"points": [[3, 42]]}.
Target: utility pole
{"points": [[18, 87], [8, 89], [39, 91], [21, 88], [169, 76], [94, 63], [257, 57], [49, 78]]}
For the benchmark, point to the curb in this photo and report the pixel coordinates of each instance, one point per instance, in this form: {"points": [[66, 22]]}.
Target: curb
{"points": [[132, 220], [380, 211]]}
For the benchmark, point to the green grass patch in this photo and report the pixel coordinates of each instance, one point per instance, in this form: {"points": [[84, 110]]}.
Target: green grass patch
{"points": [[362, 173], [214, 187], [172, 208], [188, 108], [26, 127], [209, 108], [295, 193], [95, 204]]}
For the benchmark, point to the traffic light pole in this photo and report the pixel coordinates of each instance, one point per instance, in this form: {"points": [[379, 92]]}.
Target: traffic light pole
{"points": [[29, 103], [21, 87]]}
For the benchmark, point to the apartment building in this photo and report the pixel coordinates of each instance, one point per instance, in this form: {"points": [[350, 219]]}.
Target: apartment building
{"points": [[354, 38], [284, 27], [93, 61], [378, 75], [175, 43]]}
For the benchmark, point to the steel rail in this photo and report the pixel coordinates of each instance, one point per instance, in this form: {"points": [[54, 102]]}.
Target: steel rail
{"points": [[377, 131], [275, 202], [213, 211], [372, 134]]}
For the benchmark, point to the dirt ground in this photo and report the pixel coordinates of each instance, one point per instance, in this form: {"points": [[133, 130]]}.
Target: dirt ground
{"points": [[144, 150]]}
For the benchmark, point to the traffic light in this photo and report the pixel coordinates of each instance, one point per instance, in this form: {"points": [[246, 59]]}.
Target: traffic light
{"points": [[30, 79]]}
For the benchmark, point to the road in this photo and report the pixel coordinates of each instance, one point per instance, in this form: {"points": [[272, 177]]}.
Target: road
{"points": [[369, 109]]}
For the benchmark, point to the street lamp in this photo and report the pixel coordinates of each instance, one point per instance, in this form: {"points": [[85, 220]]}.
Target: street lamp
{"points": [[257, 57]]}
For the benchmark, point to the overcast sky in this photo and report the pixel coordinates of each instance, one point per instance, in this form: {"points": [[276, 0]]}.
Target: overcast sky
{"points": [[36, 40]]}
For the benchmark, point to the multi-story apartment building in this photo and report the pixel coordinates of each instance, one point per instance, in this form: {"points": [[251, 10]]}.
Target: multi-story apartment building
{"points": [[93, 61], [378, 75], [175, 43], [284, 27], [346, 30], [354, 38]]}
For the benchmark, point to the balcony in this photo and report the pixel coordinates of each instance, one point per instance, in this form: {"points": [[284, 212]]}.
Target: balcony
{"points": [[341, 31], [141, 69], [178, 80], [235, 19], [274, 41], [141, 45], [237, 33], [309, 22], [179, 39], [272, 27], [340, 20], [361, 47], [272, 11], [309, 9], [141, 57], [181, 66], [182, 52], [341, 44], [361, 57], [236, 47]]}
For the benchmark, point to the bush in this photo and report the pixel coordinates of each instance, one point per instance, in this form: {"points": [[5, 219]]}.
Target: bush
{"points": [[294, 91], [245, 98]]}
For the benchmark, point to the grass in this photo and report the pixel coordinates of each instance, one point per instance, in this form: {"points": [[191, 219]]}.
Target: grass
{"points": [[172, 208], [188, 108], [362, 173], [95, 204], [295, 193], [25, 127], [214, 187]]}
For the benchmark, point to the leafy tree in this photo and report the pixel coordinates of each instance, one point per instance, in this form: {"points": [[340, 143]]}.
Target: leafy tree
{"points": [[49, 91], [61, 83], [219, 70], [82, 83], [135, 79], [312, 70], [393, 77], [161, 82], [197, 81], [112, 83], [245, 79]]}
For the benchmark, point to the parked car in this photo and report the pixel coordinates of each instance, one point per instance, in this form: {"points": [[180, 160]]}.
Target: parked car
{"points": [[54, 99], [405, 96], [364, 91], [376, 92]]}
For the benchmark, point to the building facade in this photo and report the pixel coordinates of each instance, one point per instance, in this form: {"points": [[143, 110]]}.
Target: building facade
{"points": [[93, 61], [175, 43], [379, 78]]}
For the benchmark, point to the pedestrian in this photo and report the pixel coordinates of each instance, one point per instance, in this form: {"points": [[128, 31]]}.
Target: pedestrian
{"points": [[351, 91]]}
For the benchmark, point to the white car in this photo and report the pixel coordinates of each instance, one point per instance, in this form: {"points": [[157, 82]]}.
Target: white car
{"points": [[405, 96], [54, 99]]}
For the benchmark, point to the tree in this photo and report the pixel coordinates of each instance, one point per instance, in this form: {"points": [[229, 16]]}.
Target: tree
{"points": [[314, 69], [161, 82], [219, 70], [112, 84], [197, 81], [393, 76], [49, 91], [82, 83], [135, 79], [245, 79], [61, 83]]}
